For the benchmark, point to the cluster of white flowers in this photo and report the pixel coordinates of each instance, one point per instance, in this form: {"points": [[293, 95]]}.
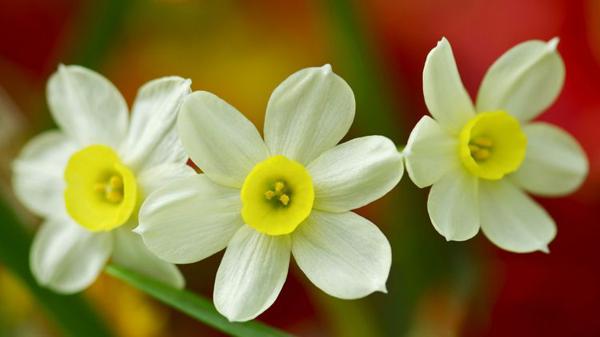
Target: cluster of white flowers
{"points": [[110, 185]]}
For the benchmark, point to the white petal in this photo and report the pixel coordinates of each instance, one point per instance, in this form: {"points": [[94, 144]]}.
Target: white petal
{"points": [[355, 173], [87, 106], [219, 139], [130, 252], [445, 96], [453, 205], [38, 172], [308, 114], [555, 163], [152, 137], [512, 220], [431, 152], [251, 274], [189, 219], [66, 257], [524, 81], [155, 177], [343, 254]]}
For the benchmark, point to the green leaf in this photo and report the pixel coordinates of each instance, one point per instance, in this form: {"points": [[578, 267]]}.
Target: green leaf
{"points": [[72, 314], [193, 305]]}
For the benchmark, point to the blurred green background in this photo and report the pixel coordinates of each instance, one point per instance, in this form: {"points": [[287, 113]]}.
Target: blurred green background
{"points": [[240, 50]]}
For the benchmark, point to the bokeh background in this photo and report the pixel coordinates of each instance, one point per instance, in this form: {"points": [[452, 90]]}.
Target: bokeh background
{"points": [[241, 50]]}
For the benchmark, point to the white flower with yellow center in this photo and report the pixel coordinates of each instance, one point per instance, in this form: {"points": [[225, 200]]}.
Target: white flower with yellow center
{"points": [[480, 158], [88, 179], [265, 200]]}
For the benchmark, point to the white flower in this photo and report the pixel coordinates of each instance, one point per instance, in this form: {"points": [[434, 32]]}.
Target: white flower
{"points": [[88, 179], [480, 157], [290, 194]]}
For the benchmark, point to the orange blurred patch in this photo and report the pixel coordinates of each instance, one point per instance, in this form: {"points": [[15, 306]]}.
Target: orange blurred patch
{"points": [[130, 312]]}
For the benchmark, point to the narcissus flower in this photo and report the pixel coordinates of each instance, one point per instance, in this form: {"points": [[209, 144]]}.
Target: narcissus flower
{"points": [[482, 158], [291, 194], [88, 179]]}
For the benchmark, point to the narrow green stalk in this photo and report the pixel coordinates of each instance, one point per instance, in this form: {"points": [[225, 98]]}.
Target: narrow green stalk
{"points": [[103, 22], [194, 306], [72, 314], [376, 105]]}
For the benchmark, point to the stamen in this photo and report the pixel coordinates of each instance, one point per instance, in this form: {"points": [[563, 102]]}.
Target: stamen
{"points": [[116, 182], [473, 148], [284, 199], [483, 142], [112, 190], [481, 148], [481, 154], [114, 196], [279, 192], [279, 186]]}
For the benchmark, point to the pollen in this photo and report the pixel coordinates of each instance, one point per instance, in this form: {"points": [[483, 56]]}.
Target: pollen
{"points": [[284, 199], [112, 190], [279, 186], [481, 148], [280, 192]]}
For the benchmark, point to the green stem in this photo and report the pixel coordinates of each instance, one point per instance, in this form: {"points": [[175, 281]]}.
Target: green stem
{"points": [[193, 305], [376, 104], [73, 315], [103, 22]]}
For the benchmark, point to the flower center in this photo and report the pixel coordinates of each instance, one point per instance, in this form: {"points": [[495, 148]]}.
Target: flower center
{"points": [[112, 189], [101, 193], [492, 145], [277, 196]]}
